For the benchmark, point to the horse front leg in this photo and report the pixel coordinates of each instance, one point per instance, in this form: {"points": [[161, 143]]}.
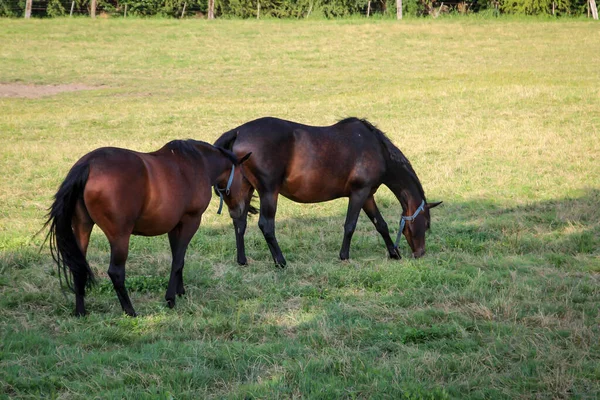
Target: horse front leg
{"points": [[239, 225], [239, 216], [179, 239], [370, 208], [266, 223], [357, 199]]}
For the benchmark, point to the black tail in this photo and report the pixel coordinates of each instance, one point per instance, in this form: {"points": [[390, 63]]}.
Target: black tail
{"points": [[64, 248], [225, 141]]}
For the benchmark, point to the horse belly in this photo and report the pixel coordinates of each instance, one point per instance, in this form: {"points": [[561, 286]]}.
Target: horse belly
{"points": [[312, 187]]}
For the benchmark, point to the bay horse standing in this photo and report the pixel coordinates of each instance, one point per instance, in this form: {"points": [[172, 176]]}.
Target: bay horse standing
{"points": [[128, 193], [310, 164]]}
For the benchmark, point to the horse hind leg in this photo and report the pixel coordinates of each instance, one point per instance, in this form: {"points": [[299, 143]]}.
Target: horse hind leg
{"points": [[370, 208], [179, 239], [119, 250], [82, 225]]}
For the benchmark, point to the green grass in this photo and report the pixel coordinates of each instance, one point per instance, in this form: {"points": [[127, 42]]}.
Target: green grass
{"points": [[500, 120]]}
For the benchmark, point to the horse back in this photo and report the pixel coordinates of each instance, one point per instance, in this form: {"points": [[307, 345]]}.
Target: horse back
{"points": [[143, 193], [309, 163]]}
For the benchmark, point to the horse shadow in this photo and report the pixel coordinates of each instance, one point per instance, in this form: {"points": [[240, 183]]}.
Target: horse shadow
{"points": [[559, 231]]}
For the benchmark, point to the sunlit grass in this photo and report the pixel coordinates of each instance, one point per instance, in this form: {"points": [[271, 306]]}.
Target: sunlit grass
{"points": [[500, 120]]}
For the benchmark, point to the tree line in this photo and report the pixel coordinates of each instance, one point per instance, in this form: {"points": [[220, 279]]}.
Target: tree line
{"points": [[296, 8]]}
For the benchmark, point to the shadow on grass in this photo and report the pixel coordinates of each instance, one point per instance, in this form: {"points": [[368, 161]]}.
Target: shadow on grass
{"points": [[494, 281], [563, 234]]}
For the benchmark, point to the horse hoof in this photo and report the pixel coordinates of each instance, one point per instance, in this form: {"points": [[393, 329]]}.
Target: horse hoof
{"points": [[131, 313], [171, 303], [395, 255], [242, 263], [80, 314], [280, 265], [181, 292]]}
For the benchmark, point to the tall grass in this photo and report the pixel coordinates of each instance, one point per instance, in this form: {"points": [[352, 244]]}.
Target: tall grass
{"points": [[500, 120]]}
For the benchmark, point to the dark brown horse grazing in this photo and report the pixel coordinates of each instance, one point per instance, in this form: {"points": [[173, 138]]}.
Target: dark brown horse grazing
{"points": [[310, 164], [125, 192]]}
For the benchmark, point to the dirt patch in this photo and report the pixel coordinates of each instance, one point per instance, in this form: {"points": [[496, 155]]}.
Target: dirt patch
{"points": [[35, 91]]}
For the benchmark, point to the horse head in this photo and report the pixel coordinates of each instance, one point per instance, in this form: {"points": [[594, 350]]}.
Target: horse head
{"points": [[414, 225], [231, 184]]}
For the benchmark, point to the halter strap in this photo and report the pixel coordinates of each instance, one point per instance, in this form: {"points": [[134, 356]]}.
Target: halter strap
{"points": [[409, 219], [227, 189]]}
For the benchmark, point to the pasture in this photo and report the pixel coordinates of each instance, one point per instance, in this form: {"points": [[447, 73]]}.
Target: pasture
{"points": [[500, 119]]}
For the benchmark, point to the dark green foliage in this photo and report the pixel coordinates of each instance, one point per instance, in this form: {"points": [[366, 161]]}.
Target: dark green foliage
{"points": [[286, 8]]}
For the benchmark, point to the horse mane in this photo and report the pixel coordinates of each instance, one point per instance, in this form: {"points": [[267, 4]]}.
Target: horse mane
{"points": [[397, 158], [189, 148]]}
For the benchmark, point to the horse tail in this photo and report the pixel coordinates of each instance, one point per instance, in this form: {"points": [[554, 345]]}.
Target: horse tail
{"points": [[226, 140], [396, 159], [64, 248]]}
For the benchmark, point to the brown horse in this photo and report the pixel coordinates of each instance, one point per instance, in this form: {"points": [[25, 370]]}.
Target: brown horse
{"points": [[129, 193], [309, 164]]}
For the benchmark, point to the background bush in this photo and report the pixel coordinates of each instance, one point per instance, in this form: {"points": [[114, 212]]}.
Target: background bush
{"points": [[290, 8]]}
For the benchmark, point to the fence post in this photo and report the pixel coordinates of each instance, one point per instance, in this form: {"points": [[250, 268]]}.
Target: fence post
{"points": [[72, 6], [258, 9], [93, 5], [368, 8], [211, 9], [28, 8], [594, 9], [183, 11], [399, 9]]}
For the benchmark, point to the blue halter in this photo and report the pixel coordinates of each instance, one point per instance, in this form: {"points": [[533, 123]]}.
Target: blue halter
{"points": [[409, 219], [220, 191]]}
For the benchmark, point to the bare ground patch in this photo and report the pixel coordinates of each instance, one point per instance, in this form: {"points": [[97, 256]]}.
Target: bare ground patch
{"points": [[30, 91]]}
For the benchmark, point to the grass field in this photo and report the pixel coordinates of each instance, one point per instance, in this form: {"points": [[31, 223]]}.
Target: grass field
{"points": [[500, 119]]}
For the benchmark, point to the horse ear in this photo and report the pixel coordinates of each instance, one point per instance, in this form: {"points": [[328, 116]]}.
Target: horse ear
{"points": [[244, 158], [432, 205]]}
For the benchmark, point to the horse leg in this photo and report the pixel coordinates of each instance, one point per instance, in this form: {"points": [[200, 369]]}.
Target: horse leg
{"points": [[370, 208], [240, 220], [82, 228], [266, 223], [179, 239], [240, 230], [357, 199], [119, 249]]}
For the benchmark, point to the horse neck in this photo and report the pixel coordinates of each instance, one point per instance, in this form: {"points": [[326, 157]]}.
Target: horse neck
{"points": [[407, 192]]}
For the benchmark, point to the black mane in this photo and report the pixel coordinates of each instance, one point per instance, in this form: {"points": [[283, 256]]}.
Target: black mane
{"points": [[396, 156], [189, 148]]}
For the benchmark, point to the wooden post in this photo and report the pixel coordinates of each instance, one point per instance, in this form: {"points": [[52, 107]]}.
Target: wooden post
{"points": [[368, 8], [553, 9], [72, 6], [125, 12], [309, 9], [594, 9], [399, 9], [211, 9], [28, 8], [258, 9], [93, 5], [183, 11]]}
